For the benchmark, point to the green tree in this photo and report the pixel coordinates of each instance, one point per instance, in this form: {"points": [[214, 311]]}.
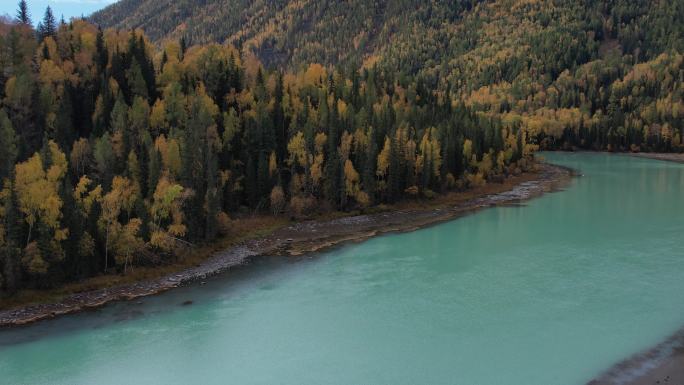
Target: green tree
{"points": [[23, 16], [48, 26], [8, 144]]}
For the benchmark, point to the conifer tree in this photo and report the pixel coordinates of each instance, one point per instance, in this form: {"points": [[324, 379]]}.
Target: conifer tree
{"points": [[23, 16], [48, 26]]}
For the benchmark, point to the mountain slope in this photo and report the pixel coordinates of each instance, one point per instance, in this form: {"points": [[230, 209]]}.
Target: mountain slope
{"points": [[593, 73], [412, 35], [281, 31]]}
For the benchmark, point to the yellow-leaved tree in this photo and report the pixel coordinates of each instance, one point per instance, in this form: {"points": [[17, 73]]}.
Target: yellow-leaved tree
{"points": [[382, 169], [120, 199], [318, 160], [167, 216], [37, 192], [127, 242], [352, 186]]}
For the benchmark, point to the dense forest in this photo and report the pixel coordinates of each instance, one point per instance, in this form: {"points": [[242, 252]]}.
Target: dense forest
{"points": [[120, 150], [117, 152], [592, 74]]}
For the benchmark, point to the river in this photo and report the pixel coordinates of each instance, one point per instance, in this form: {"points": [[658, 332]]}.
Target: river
{"points": [[553, 291]]}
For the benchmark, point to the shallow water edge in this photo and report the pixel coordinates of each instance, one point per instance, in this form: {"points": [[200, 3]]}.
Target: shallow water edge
{"points": [[302, 238]]}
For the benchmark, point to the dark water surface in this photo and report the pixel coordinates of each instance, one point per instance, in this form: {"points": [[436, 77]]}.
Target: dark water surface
{"points": [[552, 292]]}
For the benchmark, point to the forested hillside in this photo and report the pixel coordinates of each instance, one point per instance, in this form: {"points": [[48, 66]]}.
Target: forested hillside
{"points": [[596, 74], [117, 152], [120, 151], [281, 32]]}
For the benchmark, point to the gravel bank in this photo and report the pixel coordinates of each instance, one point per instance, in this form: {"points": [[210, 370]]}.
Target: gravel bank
{"points": [[305, 237]]}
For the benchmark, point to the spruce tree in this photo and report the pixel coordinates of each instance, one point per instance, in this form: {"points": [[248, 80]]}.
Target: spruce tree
{"points": [[279, 119], [23, 16], [101, 55], [8, 144], [10, 253], [153, 170], [47, 27]]}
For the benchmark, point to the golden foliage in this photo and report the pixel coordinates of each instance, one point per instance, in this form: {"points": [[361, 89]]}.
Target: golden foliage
{"points": [[384, 159], [166, 205], [315, 75], [297, 150], [84, 198], [38, 190]]}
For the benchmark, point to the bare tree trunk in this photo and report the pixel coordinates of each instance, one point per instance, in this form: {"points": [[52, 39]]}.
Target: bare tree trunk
{"points": [[29, 234], [106, 249], [179, 240]]}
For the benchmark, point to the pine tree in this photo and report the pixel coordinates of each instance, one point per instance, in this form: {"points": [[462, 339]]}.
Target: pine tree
{"points": [[47, 27], [154, 171], [8, 144], [136, 81], [279, 119], [64, 133], [518, 146], [183, 48], [23, 16], [101, 55], [10, 253], [368, 177], [212, 199], [333, 167]]}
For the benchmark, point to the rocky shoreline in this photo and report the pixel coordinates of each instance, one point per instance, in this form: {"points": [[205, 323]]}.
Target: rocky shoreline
{"points": [[668, 157], [664, 364], [302, 238]]}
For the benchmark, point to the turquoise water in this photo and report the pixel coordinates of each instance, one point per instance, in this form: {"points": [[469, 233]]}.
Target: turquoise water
{"points": [[553, 292]]}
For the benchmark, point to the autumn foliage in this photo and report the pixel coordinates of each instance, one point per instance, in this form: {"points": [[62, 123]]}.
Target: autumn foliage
{"points": [[118, 151]]}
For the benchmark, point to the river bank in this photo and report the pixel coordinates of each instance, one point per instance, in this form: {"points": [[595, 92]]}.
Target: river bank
{"points": [[311, 236], [664, 364], [669, 157]]}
